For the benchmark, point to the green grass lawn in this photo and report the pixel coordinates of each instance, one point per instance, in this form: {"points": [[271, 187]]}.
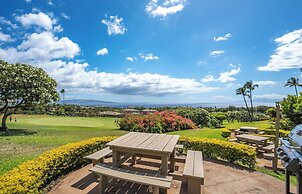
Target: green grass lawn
{"points": [[33, 134]]}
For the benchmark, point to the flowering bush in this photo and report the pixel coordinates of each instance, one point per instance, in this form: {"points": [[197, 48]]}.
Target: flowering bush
{"points": [[155, 123]]}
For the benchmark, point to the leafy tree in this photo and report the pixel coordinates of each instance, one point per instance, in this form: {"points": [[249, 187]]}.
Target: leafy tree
{"points": [[250, 86], [24, 86], [293, 82], [292, 109], [220, 116], [242, 91]]}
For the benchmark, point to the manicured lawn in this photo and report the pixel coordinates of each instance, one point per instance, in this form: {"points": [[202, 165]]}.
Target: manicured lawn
{"points": [[204, 132]]}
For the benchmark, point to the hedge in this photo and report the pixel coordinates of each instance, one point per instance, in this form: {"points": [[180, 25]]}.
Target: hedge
{"points": [[225, 133], [222, 150], [34, 175]]}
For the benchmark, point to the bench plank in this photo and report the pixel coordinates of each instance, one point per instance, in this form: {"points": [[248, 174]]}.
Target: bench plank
{"points": [[198, 165], [99, 154], [131, 176], [189, 165]]}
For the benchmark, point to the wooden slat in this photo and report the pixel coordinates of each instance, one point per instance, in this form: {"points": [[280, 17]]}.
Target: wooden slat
{"points": [[156, 142], [99, 154], [198, 165], [133, 177], [172, 143], [130, 140], [189, 165], [163, 143], [119, 139], [139, 141], [148, 141]]}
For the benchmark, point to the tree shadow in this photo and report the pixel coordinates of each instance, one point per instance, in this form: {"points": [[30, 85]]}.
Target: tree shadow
{"points": [[17, 132]]}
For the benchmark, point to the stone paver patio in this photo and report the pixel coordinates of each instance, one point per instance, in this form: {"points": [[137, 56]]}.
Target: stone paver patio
{"points": [[220, 177]]}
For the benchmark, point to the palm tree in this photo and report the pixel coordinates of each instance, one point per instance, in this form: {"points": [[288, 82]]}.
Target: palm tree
{"points": [[63, 93], [293, 81], [242, 91], [250, 86]]}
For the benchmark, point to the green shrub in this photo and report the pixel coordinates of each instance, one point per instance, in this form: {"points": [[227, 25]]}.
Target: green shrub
{"points": [[222, 150], [225, 133], [33, 175], [282, 133]]}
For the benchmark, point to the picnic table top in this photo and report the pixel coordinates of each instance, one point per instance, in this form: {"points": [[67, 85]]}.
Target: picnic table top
{"points": [[252, 137], [151, 142]]}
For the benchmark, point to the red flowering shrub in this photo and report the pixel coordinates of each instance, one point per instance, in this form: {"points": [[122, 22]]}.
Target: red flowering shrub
{"points": [[155, 123]]}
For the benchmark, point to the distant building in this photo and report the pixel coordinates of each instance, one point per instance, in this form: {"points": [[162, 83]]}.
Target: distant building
{"points": [[130, 111], [148, 111], [111, 114]]}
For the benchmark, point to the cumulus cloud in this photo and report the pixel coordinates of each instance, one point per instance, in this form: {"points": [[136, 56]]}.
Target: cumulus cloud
{"points": [[7, 22], [265, 83], [114, 25], [131, 59], [103, 51], [5, 37], [222, 38], [224, 77], [148, 57], [38, 19], [65, 16], [42, 47], [208, 78], [163, 8], [288, 54], [216, 53]]}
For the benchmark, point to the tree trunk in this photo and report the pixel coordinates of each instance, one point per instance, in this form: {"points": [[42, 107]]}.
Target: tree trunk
{"points": [[4, 119], [247, 107], [296, 90], [252, 107]]}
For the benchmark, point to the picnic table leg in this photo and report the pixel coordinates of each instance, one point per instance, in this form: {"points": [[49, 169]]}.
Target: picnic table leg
{"points": [[164, 165], [133, 159], [103, 182], [172, 162]]}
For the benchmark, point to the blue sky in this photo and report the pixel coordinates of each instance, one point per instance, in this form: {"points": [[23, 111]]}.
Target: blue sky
{"points": [[171, 51]]}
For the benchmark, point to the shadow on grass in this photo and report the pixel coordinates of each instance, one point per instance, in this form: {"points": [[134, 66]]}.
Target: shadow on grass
{"points": [[17, 132]]}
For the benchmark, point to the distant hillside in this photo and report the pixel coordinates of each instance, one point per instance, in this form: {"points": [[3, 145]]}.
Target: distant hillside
{"points": [[84, 102]]}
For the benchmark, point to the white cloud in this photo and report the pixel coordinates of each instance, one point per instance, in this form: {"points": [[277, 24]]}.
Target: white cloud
{"points": [[5, 37], [37, 19], [201, 63], [27, 1], [65, 16], [128, 70], [269, 97], [115, 25], [208, 78], [223, 76], [222, 38], [148, 57], [103, 51], [163, 8], [265, 83], [38, 48], [7, 22], [216, 53], [288, 54], [131, 59], [49, 2]]}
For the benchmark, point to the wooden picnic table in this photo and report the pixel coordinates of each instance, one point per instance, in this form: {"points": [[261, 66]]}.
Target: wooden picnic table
{"points": [[258, 140], [151, 144]]}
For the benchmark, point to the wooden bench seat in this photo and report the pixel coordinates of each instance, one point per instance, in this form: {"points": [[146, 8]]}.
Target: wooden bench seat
{"points": [[194, 171], [98, 156], [268, 149], [154, 180]]}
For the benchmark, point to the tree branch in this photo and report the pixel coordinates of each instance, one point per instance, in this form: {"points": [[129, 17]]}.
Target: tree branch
{"points": [[4, 107]]}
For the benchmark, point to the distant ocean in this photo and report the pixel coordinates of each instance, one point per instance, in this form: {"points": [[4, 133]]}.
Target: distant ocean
{"points": [[156, 105]]}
